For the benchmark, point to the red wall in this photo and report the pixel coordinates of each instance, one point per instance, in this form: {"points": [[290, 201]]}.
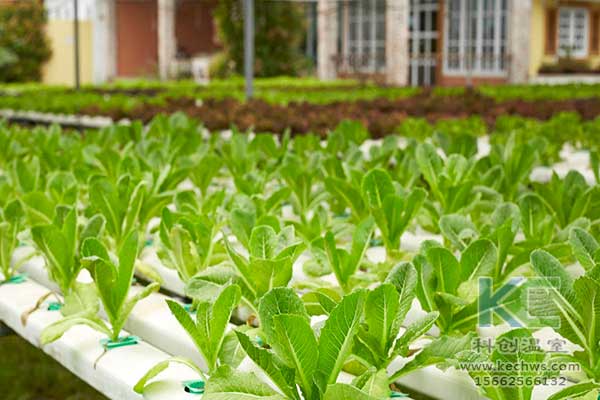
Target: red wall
{"points": [[137, 37], [195, 28]]}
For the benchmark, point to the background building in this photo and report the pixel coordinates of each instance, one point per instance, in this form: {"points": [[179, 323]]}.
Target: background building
{"points": [[403, 42], [129, 38]]}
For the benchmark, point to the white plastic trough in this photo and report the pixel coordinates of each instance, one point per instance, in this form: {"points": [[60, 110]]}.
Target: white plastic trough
{"points": [[116, 372]]}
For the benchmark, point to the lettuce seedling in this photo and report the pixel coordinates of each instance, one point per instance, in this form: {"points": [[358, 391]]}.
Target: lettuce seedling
{"points": [[119, 203], [450, 181], [514, 162], [113, 283], [187, 242], [378, 341], [574, 301], [449, 285], [302, 176], [60, 242], [270, 261], [126, 204], [208, 333], [569, 199], [12, 223], [299, 359], [26, 175], [393, 212], [343, 263], [494, 381]]}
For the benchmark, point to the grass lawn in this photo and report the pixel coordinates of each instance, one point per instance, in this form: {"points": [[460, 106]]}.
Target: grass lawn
{"points": [[27, 373]]}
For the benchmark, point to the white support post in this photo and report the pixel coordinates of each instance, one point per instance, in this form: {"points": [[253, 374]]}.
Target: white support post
{"points": [[327, 32], [397, 60], [104, 41], [167, 43], [519, 33]]}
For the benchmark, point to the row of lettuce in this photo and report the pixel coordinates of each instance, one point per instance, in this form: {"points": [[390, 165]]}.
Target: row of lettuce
{"points": [[234, 215], [125, 95]]}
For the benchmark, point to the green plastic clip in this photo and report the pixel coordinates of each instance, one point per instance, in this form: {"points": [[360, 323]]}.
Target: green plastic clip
{"points": [[398, 395], [194, 387], [376, 242], [188, 308], [259, 341], [148, 242], [121, 342], [20, 278], [54, 306], [341, 215]]}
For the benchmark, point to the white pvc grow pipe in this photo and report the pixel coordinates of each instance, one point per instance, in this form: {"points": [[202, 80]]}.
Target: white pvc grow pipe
{"points": [[116, 372]]}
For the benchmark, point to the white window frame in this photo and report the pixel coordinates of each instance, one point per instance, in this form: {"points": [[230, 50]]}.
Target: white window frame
{"points": [[360, 43], [417, 59], [583, 52], [500, 65]]}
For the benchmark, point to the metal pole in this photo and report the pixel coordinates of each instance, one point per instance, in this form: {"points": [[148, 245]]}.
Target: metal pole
{"points": [[249, 47], [76, 41]]}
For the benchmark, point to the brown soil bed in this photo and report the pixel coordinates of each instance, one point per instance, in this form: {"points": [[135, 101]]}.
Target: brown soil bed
{"points": [[381, 116]]}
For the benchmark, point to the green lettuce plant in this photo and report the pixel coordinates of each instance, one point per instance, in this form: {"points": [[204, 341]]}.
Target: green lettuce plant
{"points": [[271, 256], [300, 363], [567, 199], [450, 286], [378, 341], [575, 303], [344, 263], [11, 225], [392, 212], [113, 282], [495, 383], [60, 243], [208, 332], [187, 242]]}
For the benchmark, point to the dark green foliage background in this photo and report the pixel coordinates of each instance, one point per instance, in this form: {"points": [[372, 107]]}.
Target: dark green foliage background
{"points": [[22, 36], [27, 373], [280, 29]]}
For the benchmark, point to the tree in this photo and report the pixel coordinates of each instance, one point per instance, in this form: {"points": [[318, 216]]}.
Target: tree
{"points": [[280, 28], [24, 46]]}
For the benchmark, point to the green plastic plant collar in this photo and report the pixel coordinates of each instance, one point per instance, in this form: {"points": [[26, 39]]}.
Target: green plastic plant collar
{"points": [[376, 242], [398, 395], [188, 308], [20, 278], [194, 386], [54, 306], [259, 341], [121, 342]]}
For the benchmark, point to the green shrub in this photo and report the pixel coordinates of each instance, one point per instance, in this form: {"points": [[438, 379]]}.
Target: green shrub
{"points": [[23, 41], [279, 28]]}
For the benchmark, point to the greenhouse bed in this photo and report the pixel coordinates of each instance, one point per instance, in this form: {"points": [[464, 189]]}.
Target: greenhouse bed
{"points": [[356, 260]]}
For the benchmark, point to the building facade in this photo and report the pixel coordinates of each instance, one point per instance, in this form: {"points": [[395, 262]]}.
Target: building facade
{"points": [[401, 42], [456, 42], [128, 38]]}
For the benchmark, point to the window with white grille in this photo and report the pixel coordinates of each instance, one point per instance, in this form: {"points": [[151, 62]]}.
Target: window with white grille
{"points": [[573, 32], [364, 34], [476, 37]]}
